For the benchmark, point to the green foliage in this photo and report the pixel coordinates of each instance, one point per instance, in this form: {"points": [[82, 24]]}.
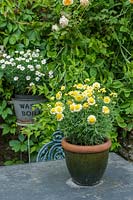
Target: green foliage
{"points": [[97, 43]]}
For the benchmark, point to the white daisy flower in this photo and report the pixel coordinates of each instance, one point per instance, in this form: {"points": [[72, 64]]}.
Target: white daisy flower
{"points": [[15, 78], [37, 78], [31, 84], [3, 66], [43, 61], [28, 78], [38, 66]]}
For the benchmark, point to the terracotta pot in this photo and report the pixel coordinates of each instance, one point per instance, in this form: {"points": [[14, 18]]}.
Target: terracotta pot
{"points": [[86, 164]]}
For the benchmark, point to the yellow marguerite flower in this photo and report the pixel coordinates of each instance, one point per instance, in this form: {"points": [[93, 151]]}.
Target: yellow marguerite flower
{"points": [[106, 99], [52, 111], [96, 85], [59, 116], [85, 105], [79, 97], [78, 107], [62, 88], [91, 101], [72, 107], [91, 119], [59, 103], [67, 2], [105, 110], [58, 109], [58, 95], [131, 1]]}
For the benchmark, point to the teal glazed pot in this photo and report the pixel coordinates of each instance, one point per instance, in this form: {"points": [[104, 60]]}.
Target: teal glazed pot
{"points": [[86, 164]]}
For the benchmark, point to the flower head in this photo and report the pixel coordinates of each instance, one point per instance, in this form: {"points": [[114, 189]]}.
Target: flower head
{"points": [[67, 2], [63, 21], [105, 110], [106, 99], [59, 95], [59, 116], [55, 27], [91, 119], [84, 3]]}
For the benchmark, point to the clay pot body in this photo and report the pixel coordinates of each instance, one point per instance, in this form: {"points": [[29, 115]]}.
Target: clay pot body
{"points": [[86, 164]]}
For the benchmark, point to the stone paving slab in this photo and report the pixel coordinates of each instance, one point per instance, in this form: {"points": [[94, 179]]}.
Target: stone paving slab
{"points": [[51, 181]]}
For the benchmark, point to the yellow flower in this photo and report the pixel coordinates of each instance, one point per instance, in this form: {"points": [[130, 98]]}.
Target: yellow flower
{"points": [[85, 105], [96, 85], [91, 119], [91, 101], [52, 111], [105, 110], [72, 107], [58, 95], [58, 109], [79, 97], [67, 2], [59, 103], [62, 87], [59, 116], [78, 107], [106, 99], [131, 1]]}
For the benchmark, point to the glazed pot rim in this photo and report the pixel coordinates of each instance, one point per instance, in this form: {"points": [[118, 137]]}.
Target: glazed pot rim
{"points": [[85, 149]]}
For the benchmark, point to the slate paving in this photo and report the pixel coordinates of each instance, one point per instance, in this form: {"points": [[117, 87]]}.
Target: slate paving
{"points": [[51, 181]]}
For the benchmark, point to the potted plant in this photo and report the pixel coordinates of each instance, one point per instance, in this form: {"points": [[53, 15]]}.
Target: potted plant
{"points": [[85, 115], [24, 71]]}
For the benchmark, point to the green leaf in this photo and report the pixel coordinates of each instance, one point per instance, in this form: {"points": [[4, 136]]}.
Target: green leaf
{"points": [[93, 72], [12, 39], [15, 145]]}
